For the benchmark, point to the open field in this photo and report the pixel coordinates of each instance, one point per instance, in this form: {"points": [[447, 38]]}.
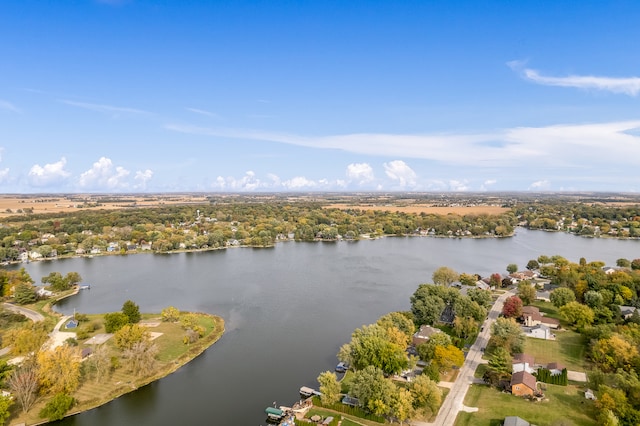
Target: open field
{"points": [[424, 208], [568, 349], [566, 403], [13, 204]]}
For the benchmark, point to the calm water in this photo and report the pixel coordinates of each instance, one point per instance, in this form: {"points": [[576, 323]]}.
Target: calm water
{"points": [[287, 310]]}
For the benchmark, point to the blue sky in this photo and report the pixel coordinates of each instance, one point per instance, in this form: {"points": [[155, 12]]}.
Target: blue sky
{"points": [[156, 96]]}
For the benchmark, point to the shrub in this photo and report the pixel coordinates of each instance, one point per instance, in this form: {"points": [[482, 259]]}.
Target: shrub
{"points": [[57, 407]]}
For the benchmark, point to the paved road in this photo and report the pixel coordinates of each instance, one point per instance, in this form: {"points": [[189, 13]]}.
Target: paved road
{"points": [[453, 403], [31, 314]]}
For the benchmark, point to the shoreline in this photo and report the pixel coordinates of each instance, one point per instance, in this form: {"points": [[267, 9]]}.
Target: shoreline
{"points": [[165, 369]]}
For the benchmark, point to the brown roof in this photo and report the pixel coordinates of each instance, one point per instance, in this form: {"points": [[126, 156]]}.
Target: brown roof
{"points": [[426, 331], [525, 358], [524, 378], [555, 366], [534, 313]]}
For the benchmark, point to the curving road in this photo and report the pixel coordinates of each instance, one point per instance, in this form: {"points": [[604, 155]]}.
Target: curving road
{"points": [[453, 403], [29, 313]]}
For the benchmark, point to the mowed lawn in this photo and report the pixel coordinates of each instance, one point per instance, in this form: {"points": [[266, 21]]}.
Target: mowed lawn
{"points": [[568, 349], [566, 403]]}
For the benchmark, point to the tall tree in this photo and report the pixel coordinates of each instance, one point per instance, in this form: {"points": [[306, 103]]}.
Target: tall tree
{"points": [[375, 393], [5, 405], [512, 268], [59, 369], [577, 314], [561, 296], [426, 306], [132, 311], [426, 395], [329, 387], [526, 292], [447, 357], [506, 333], [402, 405], [24, 294], [141, 357], [512, 307], [444, 276], [24, 384]]}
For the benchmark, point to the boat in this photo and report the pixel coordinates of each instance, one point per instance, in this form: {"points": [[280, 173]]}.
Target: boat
{"points": [[85, 287], [274, 414]]}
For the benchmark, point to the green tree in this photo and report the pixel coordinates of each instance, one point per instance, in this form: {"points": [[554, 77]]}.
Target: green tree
{"points": [[375, 393], [468, 279], [399, 320], [329, 387], [444, 276], [73, 278], [482, 297], [561, 296], [114, 321], [426, 395], [24, 294], [56, 281], [402, 405], [5, 408], [500, 361], [526, 292], [464, 327], [533, 264], [132, 311], [623, 263], [614, 352], [465, 307], [577, 314], [506, 333], [426, 306], [512, 268], [27, 339], [57, 407]]}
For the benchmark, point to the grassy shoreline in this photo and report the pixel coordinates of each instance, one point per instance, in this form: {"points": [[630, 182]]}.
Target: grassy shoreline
{"points": [[173, 354]]}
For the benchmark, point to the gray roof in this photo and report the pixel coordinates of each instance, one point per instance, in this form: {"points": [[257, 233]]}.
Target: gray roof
{"points": [[515, 421]]}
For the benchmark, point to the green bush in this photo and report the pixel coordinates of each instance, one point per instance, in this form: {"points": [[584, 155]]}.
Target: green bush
{"points": [[57, 407]]}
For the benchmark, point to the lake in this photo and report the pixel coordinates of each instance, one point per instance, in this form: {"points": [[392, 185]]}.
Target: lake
{"points": [[287, 309]]}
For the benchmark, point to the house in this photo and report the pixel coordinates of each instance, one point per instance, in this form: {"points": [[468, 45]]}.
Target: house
{"points": [[80, 251], [555, 368], [515, 421], [609, 270], [523, 362], [448, 315], [627, 311], [531, 316], [544, 295], [590, 395], [424, 334], [523, 383], [483, 284], [42, 293], [539, 331]]}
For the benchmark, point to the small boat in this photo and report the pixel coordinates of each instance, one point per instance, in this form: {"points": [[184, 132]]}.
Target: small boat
{"points": [[274, 414], [85, 287]]}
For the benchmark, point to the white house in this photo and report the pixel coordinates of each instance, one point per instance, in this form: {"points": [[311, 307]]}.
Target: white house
{"points": [[539, 331], [523, 362]]}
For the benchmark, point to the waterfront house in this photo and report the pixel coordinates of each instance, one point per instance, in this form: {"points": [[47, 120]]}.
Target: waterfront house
{"points": [[424, 334], [627, 311]]}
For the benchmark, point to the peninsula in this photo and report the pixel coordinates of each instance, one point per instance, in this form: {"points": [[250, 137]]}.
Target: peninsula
{"points": [[62, 365]]}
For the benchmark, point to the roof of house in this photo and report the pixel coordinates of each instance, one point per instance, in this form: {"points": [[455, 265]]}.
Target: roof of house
{"points": [[522, 377], [426, 331], [524, 358], [515, 421], [534, 313], [555, 366]]}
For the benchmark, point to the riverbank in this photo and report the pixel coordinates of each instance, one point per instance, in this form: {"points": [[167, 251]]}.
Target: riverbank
{"points": [[96, 389]]}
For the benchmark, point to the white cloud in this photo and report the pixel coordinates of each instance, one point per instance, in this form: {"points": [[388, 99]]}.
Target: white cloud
{"points": [[49, 174], [360, 172], [487, 183], [248, 182], [459, 186], [142, 177], [108, 109], [8, 106], [103, 175], [540, 185], [4, 175], [203, 112], [400, 173], [301, 182], [624, 85]]}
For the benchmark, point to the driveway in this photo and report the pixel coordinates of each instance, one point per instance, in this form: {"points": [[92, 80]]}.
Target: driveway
{"points": [[453, 403], [31, 314]]}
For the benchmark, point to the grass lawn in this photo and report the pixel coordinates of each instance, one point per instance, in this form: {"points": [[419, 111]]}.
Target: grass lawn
{"points": [[549, 310], [566, 403], [568, 349]]}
